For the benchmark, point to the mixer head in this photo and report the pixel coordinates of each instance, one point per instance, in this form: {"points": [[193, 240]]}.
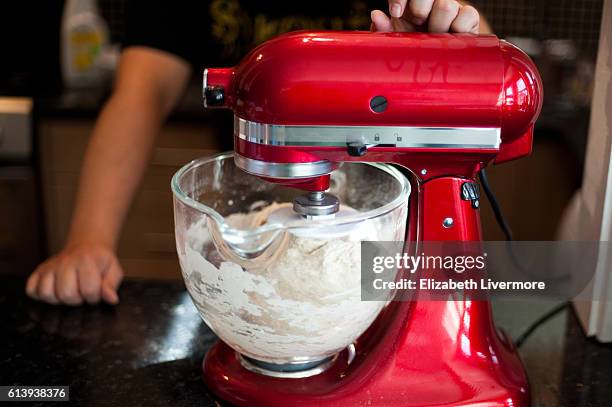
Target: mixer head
{"points": [[438, 104]]}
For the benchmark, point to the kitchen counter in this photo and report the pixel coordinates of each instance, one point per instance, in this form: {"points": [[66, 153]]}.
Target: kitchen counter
{"points": [[148, 350]]}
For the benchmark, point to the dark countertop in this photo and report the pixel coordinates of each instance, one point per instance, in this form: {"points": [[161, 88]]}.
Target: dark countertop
{"points": [[148, 350]]}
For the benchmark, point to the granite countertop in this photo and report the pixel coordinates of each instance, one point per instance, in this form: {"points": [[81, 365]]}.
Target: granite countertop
{"points": [[148, 350]]}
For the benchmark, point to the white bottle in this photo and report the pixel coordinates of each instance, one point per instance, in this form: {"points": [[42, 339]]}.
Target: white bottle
{"points": [[84, 38]]}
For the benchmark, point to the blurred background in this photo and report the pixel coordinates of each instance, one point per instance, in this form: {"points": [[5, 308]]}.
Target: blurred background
{"points": [[45, 125]]}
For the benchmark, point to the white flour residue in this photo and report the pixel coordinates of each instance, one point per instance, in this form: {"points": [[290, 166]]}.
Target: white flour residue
{"points": [[305, 304]]}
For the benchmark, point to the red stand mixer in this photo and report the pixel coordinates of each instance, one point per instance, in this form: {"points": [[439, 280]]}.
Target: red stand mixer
{"points": [[442, 106]]}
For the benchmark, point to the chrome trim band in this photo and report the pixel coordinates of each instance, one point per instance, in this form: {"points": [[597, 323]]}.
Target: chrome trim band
{"points": [[283, 170], [341, 136], [204, 85], [297, 374]]}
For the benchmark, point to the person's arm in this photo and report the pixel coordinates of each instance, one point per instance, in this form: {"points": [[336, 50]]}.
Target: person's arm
{"points": [[437, 16], [148, 85]]}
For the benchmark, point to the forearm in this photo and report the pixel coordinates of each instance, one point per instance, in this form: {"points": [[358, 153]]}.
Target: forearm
{"points": [[148, 85], [114, 164]]}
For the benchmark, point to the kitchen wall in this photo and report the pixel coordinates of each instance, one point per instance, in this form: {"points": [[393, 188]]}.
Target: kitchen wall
{"points": [[29, 47], [578, 20]]}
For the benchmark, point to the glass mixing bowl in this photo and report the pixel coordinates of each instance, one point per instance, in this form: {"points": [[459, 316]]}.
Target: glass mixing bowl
{"points": [[282, 291]]}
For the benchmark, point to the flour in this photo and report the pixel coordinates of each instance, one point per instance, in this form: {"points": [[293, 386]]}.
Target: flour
{"points": [[304, 305]]}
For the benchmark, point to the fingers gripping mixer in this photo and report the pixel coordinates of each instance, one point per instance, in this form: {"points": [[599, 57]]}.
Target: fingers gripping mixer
{"points": [[441, 106]]}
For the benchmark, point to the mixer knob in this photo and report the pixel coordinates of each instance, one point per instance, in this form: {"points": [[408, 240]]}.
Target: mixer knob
{"points": [[214, 96], [471, 192], [379, 104], [356, 149]]}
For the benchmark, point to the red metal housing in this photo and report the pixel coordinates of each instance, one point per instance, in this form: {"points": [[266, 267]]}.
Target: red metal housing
{"points": [[419, 353]]}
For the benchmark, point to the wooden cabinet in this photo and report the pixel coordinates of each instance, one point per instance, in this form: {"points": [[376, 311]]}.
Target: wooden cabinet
{"points": [[20, 239], [146, 248]]}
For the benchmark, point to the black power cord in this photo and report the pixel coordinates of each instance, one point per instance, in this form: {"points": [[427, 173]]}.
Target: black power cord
{"points": [[503, 224], [522, 338], [499, 216]]}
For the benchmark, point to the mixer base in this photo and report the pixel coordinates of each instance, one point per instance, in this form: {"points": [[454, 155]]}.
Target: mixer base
{"points": [[473, 367]]}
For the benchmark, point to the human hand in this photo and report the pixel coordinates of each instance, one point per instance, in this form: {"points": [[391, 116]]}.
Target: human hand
{"points": [[436, 16], [80, 273]]}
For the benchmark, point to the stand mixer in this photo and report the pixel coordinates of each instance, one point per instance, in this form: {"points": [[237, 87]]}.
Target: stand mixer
{"points": [[442, 106]]}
